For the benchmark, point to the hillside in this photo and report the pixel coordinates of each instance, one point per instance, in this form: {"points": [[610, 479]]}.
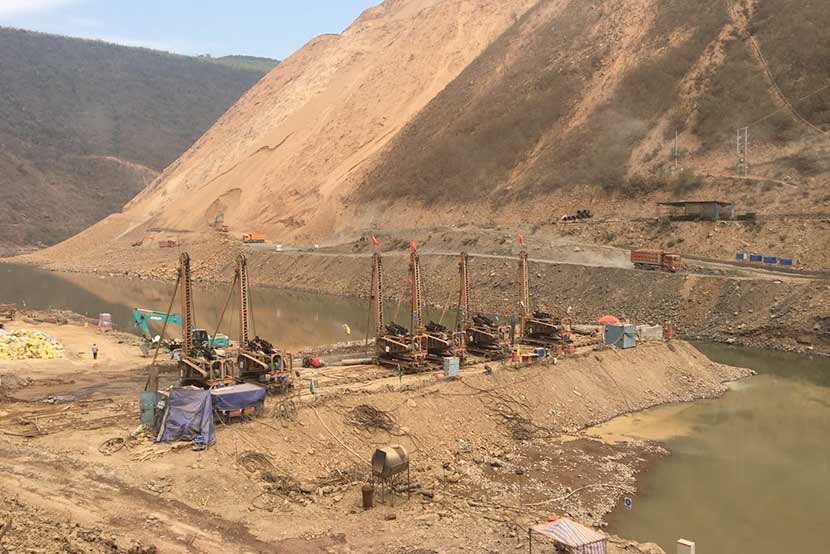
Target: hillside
{"points": [[480, 112], [253, 63], [85, 125]]}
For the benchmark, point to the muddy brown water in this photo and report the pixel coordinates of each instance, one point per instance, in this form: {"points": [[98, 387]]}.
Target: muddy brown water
{"points": [[292, 320], [749, 472]]}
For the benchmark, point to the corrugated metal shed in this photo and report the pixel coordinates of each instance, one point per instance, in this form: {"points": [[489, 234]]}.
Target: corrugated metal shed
{"points": [[580, 539]]}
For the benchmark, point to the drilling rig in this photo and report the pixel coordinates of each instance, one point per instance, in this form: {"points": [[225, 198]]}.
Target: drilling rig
{"points": [[483, 336], [258, 360], [395, 346], [538, 327], [199, 364], [441, 341]]}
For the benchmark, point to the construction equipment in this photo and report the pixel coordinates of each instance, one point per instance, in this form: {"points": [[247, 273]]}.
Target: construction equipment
{"points": [[258, 361], [484, 336], [141, 317], [441, 342], [395, 345], [253, 238], [580, 214], [537, 326], [199, 364], [655, 260]]}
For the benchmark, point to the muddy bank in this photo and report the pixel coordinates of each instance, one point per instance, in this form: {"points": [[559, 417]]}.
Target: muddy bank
{"points": [[491, 453], [765, 311]]}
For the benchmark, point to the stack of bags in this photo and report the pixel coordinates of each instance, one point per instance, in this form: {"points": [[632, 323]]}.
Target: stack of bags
{"points": [[29, 345]]}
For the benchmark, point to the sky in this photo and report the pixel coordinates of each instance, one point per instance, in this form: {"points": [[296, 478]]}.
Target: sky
{"points": [[268, 28]]}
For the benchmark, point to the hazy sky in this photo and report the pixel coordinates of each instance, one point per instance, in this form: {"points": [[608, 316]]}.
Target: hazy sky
{"points": [[270, 28]]}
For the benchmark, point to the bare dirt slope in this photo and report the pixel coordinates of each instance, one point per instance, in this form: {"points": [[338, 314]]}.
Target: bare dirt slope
{"points": [[278, 159], [506, 452], [440, 112]]}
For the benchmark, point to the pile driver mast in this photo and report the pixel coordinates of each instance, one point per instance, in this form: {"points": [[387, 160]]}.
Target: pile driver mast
{"points": [[417, 298], [395, 346], [377, 294], [524, 300], [199, 364], [257, 360], [537, 327], [482, 335], [462, 317], [440, 341]]}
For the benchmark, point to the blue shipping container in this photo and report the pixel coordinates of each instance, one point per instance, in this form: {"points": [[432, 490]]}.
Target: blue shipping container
{"points": [[740, 256], [786, 261], [770, 260], [756, 258]]}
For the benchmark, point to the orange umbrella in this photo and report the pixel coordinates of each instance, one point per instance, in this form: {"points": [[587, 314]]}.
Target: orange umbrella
{"points": [[608, 320]]}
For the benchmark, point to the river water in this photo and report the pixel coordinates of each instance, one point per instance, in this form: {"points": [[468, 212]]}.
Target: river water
{"points": [[749, 473], [289, 319]]}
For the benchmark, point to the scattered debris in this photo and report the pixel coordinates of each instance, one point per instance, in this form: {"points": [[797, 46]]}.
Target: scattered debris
{"points": [[369, 417]]}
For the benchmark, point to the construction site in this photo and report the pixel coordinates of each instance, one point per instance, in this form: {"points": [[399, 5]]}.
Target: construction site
{"points": [[392, 443], [475, 276]]}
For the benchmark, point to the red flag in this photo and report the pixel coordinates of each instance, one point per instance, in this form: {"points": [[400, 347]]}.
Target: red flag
{"points": [[521, 240], [413, 246], [375, 242]]}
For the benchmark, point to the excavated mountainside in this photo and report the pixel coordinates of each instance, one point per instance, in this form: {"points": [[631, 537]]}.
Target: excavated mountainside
{"points": [[427, 113]]}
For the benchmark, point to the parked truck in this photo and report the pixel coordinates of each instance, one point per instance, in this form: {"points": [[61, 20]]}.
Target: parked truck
{"points": [[253, 238], [660, 260]]}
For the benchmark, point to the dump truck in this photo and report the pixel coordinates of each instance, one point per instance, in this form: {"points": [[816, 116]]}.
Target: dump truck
{"points": [[659, 260], [253, 238]]}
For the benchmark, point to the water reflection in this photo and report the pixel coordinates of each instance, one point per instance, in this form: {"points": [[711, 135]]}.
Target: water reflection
{"points": [[291, 319]]}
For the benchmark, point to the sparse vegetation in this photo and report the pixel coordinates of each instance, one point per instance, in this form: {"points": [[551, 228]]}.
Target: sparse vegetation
{"points": [[85, 125], [246, 63]]}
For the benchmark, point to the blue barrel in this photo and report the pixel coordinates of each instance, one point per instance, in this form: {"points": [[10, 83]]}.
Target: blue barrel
{"points": [[541, 352], [452, 366], [770, 259], [785, 261], [147, 407], [756, 258]]}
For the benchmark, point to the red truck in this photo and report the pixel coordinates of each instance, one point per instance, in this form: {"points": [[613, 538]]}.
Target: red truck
{"points": [[656, 260]]}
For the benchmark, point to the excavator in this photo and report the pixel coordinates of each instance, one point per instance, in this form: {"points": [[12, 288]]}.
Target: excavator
{"points": [[538, 327], [484, 336], [141, 317], [199, 364], [258, 360], [396, 346]]}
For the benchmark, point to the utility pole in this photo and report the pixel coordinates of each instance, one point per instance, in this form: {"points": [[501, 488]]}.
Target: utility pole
{"points": [[676, 162], [743, 151]]}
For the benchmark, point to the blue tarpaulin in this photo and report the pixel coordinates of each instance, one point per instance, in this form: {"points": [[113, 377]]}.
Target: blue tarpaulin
{"points": [[190, 416], [237, 397]]}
